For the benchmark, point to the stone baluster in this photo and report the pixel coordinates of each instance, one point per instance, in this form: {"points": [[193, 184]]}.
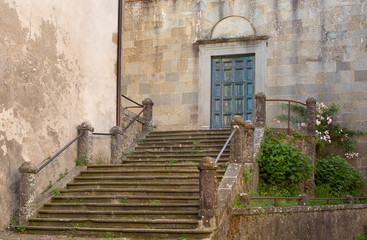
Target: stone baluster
{"points": [[208, 187], [27, 191], [85, 143]]}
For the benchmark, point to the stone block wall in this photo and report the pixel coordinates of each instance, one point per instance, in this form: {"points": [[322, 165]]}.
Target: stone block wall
{"points": [[159, 60], [332, 222]]}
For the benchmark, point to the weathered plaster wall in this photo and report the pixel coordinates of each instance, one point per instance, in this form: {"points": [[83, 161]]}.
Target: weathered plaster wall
{"points": [[300, 222], [57, 69]]}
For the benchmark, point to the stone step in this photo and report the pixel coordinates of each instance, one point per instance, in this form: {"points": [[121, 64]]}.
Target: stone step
{"points": [[142, 198], [181, 152], [183, 141], [132, 233], [179, 139], [141, 179], [151, 205], [178, 147], [191, 132], [160, 185], [128, 191], [124, 215], [116, 223], [121, 167], [175, 172], [180, 160], [169, 156]]}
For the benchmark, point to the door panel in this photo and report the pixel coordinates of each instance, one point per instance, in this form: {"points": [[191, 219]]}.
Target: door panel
{"points": [[232, 89]]}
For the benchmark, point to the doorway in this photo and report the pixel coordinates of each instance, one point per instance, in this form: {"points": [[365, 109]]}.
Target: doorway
{"points": [[232, 89]]}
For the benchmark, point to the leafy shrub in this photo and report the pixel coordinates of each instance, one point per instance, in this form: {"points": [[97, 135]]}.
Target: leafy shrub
{"points": [[283, 165], [336, 172]]}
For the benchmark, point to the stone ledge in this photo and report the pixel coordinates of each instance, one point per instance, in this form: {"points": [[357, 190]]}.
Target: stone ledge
{"points": [[227, 40], [295, 209]]}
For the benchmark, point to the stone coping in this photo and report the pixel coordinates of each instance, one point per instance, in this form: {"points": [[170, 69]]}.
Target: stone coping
{"points": [[226, 40], [295, 209], [46, 196]]}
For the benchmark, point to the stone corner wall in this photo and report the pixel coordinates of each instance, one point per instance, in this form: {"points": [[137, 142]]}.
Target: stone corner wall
{"points": [[332, 222]]}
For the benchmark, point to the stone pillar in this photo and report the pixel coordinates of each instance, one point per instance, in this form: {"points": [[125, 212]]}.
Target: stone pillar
{"points": [[148, 115], [238, 140], [311, 116], [116, 144], [208, 187], [248, 146], [27, 191], [85, 143], [260, 111], [303, 201], [311, 144]]}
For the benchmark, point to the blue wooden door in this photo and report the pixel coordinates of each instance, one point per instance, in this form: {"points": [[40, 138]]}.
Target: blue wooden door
{"points": [[232, 89]]}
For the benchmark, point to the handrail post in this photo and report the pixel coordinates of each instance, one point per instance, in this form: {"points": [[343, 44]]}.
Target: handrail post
{"points": [[238, 140], [208, 188], [85, 143], [27, 191], [311, 147], [248, 146], [116, 144], [148, 115], [260, 112]]}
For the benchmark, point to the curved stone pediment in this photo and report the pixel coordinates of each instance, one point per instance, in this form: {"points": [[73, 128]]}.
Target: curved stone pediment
{"points": [[232, 27]]}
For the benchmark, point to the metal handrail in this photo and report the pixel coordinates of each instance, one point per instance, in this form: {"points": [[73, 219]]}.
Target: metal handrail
{"points": [[126, 97], [289, 108], [59, 152], [136, 117], [225, 145], [102, 134]]}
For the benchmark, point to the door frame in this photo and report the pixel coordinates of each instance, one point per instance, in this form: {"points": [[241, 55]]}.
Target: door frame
{"points": [[207, 51]]}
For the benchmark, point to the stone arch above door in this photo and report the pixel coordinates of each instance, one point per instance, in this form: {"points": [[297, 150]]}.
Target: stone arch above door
{"points": [[232, 27]]}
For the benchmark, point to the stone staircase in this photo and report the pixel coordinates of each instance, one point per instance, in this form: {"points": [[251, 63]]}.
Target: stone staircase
{"points": [[154, 194]]}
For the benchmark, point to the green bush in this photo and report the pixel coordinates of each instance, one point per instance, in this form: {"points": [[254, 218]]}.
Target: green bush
{"points": [[283, 165], [336, 172]]}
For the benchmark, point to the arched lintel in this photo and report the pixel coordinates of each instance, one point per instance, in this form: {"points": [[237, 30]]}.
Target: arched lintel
{"points": [[232, 16]]}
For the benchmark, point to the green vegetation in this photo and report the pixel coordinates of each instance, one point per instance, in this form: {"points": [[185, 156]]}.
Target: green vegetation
{"points": [[338, 176], [129, 153], [124, 200], [360, 237], [154, 202], [21, 228], [283, 165], [173, 161], [48, 187], [56, 192], [196, 148], [237, 203], [141, 140], [81, 161], [62, 175], [283, 168], [225, 166], [105, 235], [76, 225], [183, 237]]}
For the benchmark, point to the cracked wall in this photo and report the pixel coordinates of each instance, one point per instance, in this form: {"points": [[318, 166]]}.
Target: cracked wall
{"points": [[57, 69]]}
